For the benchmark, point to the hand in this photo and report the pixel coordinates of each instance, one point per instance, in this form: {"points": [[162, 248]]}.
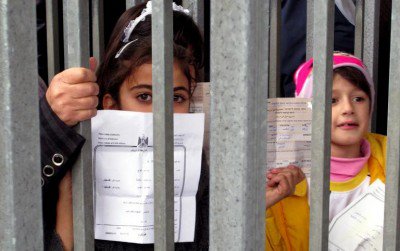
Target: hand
{"points": [[64, 216], [282, 183], [72, 94]]}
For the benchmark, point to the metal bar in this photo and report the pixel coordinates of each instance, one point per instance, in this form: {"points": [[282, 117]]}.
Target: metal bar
{"points": [[98, 28], [391, 237], [131, 3], [371, 45], [76, 48], [53, 46], [239, 55], [321, 124], [359, 33], [310, 27], [163, 122], [20, 197], [274, 49]]}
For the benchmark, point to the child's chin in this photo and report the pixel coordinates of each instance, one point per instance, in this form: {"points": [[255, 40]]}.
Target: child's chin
{"points": [[348, 141]]}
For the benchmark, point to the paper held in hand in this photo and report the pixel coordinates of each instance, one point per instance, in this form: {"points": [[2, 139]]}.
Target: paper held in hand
{"points": [[288, 137], [122, 147], [289, 133]]}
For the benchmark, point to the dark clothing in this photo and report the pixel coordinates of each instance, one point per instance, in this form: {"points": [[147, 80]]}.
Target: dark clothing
{"points": [[344, 33], [56, 137], [293, 40], [60, 145]]}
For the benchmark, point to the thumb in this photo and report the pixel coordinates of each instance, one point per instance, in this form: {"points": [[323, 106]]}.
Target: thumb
{"points": [[93, 64]]}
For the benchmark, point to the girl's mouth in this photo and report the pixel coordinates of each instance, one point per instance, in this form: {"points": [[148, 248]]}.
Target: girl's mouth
{"points": [[348, 125]]}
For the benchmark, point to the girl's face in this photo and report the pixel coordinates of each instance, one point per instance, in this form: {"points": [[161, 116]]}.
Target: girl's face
{"points": [[136, 93], [350, 118]]}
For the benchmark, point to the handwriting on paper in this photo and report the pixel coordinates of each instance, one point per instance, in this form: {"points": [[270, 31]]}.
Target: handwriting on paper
{"points": [[289, 133]]}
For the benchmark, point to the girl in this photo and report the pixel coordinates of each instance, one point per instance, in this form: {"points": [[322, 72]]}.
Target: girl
{"points": [[125, 83], [357, 157]]}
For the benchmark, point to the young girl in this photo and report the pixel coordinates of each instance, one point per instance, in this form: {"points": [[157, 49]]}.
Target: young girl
{"points": [[125, 83], [357, 157]]}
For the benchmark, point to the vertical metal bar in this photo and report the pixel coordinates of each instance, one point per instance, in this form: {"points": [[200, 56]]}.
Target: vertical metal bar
{"points": [[274, 49], [371, 45], [162, 59], [131, 3], [392, 201], [53, 47], [76, 48], [321, 124], [239, 55], [359, 33], [20, 197], [371, 36], [310, 28], [98, 28]]}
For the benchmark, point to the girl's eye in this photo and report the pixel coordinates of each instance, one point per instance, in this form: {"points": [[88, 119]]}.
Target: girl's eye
{"points": [[179, 99], [144, 97], [334, 100], [358, 99]]}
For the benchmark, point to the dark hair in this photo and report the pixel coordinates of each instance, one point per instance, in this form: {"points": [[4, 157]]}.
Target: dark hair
{"points": [[356, 77], [187, 50]]}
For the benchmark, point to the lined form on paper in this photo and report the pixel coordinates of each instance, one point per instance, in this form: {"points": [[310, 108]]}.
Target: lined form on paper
{"points": [[289, 133], [360, 225], [122, 144], [289, 128]]}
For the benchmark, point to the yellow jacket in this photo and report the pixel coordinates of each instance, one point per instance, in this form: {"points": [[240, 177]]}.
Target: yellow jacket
{"points": [[287, 222]]}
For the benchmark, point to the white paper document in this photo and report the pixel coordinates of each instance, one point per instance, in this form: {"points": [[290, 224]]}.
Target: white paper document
{"points": [[360, 225], [122, 147], [289, 133]]}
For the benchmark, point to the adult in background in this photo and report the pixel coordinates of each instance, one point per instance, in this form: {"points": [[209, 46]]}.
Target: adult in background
{"points": [[293, 36]]}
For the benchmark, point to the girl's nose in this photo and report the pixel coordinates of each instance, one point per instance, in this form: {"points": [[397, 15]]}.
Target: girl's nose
{"points": [[347, 107]]}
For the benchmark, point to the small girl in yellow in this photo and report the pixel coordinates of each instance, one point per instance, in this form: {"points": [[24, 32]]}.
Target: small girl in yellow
{"points": [[357, 156]]}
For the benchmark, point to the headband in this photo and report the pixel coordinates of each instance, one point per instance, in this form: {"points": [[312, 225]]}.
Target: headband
{"points": [[145, 12], [303, 77], [133, 23]]}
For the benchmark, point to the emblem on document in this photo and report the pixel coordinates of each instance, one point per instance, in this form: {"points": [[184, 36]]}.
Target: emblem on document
{"points": [[143, 142]]}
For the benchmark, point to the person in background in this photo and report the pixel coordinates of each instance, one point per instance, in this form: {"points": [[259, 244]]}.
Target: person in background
{"points": [[293, 36]]}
